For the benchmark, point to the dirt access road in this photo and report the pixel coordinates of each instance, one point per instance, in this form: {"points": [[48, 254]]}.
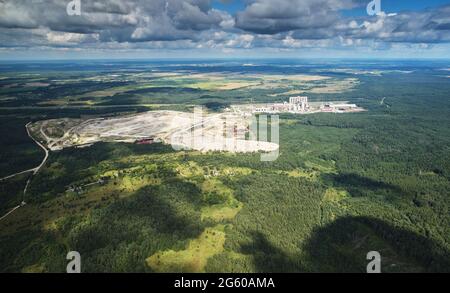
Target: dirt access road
{"points": [[34, 170]]}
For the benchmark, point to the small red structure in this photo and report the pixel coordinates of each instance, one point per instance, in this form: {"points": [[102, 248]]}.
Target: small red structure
{"points": [[145, 141]]}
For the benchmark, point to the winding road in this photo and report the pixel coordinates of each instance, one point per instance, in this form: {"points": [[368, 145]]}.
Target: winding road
{"points": [[34, 170], [16, 174]]}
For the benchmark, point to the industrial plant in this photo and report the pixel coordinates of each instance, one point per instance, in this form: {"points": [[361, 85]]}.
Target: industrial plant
{"points": [[298, 105]]}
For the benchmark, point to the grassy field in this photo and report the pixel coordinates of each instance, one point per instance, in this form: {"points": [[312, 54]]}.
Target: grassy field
{"points": [[194, 258]]}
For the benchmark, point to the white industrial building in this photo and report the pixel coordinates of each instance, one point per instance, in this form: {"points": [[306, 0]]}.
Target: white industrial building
{"points": [[298, 104], [295, 105], [338, 108]]}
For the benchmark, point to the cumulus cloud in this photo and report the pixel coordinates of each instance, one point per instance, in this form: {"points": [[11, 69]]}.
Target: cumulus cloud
{"points": [[321, 19], [172, 24], [116, 20], [269, 17], [431, 26]]}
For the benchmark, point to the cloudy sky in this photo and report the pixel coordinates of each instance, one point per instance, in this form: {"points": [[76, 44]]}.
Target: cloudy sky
{"points": [[40, 29]]}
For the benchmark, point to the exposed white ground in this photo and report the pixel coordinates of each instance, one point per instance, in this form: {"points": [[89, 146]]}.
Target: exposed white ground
{"points": [[206, 132]]}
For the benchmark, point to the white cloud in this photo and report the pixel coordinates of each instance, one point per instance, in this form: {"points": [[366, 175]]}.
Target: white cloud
{"points": [[190, 24]]}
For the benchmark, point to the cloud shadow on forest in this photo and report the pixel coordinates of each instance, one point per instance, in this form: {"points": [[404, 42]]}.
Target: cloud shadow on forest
{"points": [[342, 246]]}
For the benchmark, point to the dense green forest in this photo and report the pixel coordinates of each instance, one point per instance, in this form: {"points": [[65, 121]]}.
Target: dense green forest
{"points": [[344, 185]]}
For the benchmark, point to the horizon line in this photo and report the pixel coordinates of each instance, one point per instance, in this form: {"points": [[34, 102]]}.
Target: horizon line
{"points": [[220, 58]]}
